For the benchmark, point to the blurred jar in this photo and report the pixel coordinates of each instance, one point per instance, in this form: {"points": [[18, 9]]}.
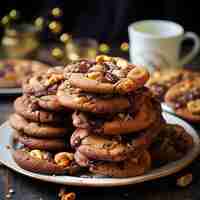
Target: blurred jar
{"points": [[81, 48], [20, 41]]}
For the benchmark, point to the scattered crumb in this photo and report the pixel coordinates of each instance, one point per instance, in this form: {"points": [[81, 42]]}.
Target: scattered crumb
{"points": [[8, 147], [184, 180], [68, 196], [8, 196]]}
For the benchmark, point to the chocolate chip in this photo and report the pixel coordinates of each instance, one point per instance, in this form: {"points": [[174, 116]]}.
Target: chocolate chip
{"points": [[111, 77]]}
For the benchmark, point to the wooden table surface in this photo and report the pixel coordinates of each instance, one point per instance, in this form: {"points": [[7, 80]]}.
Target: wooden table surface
{"points": [[26, 188]]}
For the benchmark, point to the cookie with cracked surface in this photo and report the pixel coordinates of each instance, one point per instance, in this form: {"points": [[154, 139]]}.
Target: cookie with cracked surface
{"points": [[40, 143], [184, 98], [35, 129], [143, 113], [75, 98], [107, 75], [28, 107], [42, 162]]}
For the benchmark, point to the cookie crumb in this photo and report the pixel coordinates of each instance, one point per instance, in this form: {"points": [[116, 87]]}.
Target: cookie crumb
{"points": [[184, 180], [68, 196], [8, 196], [8, 147]]}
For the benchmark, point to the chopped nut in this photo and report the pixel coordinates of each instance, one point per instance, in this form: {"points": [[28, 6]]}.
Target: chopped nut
{"points": [[98, 68], [95, 75], [138, 73], [69, 196], [121, 115], [184, 180], [127, 85], [54, 79], [36, 153], [194, 106], [103, 58], [118, 73], [122, 63], [63, 158]]}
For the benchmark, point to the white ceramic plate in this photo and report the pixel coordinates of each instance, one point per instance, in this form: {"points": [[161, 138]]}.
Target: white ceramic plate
{"points": [[10, 91], [167, 108], [173, 167]]}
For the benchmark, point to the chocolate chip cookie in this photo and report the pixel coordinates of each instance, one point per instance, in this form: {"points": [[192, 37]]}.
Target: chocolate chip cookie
{"points": [[42, 162], [172, 144], [161, 81], [28, 107], [41, 143], [14, 71], [118, 148], [106, 75], [35, 129], [74, 98], [143, 113], [184, 98], [129, 168]]}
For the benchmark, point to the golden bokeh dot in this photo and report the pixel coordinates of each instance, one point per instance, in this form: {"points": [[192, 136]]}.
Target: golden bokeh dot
{"points": [[55, 27], [13, 14], [57, 53], [5, 20], [39, 22], [56, 12], [124, 46], [65, 37], [104, 48]]}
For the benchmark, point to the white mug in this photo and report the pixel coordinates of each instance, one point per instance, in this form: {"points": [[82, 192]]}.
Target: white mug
{"points": [[157, 43]]}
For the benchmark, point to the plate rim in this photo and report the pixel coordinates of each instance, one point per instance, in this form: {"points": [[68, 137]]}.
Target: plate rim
{"points": [[109, 182], [10, 91]]}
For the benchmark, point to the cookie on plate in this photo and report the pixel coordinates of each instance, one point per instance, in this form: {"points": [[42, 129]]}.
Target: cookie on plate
{"points": [[134, 166], [14, 71], [35, 129], [172, 144], [144, 112], [27, 106], [41, 143], [74, 98], [161, 81], [184, 98], [44, 162], [106, 75], [118, 148]]}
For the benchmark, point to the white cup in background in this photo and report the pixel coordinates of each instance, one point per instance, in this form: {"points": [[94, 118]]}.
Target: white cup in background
{"points": [[157, 43]]}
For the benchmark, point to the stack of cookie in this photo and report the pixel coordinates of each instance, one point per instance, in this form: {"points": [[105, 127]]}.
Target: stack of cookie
{"points": [[116, 117], [40, 125]]}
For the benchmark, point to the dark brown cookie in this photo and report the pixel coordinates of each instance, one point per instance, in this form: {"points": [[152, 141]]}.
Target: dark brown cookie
{"points": [[14, 71], [184, 98], [128, 168], [35, 129], [162, 80], [107, 75], [74, 98], [142, 114], [29, 109], [45, 164], [51, 103], [41, 143], [45, 83], [119, 148], [172, 144]]}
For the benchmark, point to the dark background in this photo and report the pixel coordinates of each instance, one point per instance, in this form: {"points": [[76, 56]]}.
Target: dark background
{"points": [[107, 20]]}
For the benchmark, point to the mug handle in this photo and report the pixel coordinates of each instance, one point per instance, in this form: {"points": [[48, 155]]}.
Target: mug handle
{"points": [[195, 49]]}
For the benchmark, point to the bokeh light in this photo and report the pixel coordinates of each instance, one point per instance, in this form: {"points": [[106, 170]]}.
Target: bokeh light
{"points": [[104, 48]]}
